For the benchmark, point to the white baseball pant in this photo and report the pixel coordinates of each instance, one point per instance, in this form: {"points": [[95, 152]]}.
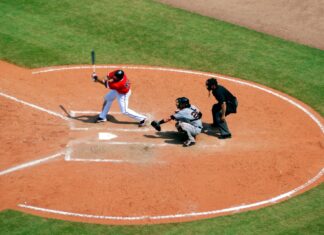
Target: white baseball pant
{"points": [[123, 105]]}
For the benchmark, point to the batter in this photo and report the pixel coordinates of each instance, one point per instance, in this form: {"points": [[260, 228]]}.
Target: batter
{"points": [[120, 88]]}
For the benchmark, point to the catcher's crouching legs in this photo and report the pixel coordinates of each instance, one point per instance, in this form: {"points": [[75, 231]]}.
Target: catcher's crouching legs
{"points": [[190, 130]]}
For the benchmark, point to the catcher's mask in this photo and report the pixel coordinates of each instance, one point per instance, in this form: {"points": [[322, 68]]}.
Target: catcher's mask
{"points": [[211, 82], [117, 75], [182, 103]]}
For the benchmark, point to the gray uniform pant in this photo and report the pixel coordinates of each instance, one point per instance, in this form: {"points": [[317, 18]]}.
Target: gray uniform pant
{"points": [[189, 129], [231, 107]]}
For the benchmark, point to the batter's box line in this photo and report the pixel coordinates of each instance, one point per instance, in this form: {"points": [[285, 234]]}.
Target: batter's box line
{"points": [[68, 157], [69, 151], [145, 144], [73, 114], [73, 128]]}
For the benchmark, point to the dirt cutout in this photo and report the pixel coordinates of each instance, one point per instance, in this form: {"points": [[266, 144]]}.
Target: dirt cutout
{"points": [[301, 21], [57, 166]]}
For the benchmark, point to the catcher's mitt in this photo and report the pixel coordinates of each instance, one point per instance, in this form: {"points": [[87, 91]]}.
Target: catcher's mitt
{"points": [[156, 125]]}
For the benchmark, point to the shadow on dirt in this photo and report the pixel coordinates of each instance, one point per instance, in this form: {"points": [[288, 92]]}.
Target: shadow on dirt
{"points": [[92, 118], [209, 130], [171, 137], [175, 137]]}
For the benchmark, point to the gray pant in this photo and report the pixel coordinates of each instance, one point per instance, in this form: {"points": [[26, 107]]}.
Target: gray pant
{"points": [[189, 129], [231, 107], [222, 125]]}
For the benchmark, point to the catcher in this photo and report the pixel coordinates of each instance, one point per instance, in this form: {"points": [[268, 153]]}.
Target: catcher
{"points": [[188, 120]]}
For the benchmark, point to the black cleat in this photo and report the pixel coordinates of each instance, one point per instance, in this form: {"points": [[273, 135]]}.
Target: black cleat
{"points": [[99, 119], [142, 123], [227, 136], [188, 143]]}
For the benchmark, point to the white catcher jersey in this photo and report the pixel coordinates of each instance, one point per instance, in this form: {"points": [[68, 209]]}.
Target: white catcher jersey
{"points": [[189, 115]]}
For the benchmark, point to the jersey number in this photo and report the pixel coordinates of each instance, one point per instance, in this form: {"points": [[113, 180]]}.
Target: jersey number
{"points": [[127, 84], [195, 114]]}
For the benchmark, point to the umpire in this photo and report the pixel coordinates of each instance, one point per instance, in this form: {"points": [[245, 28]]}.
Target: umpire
{"points": [[227, 103]]}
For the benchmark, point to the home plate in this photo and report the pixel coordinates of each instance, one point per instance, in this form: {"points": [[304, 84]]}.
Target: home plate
{"points": [[106, 136]]}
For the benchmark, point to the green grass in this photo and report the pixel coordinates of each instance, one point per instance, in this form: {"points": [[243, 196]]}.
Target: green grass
{"points": [[35, 33], [299, 215]]}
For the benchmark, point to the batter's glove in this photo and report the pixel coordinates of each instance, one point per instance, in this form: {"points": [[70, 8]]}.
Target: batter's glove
{"points": [[94, 77], [156, 125]]}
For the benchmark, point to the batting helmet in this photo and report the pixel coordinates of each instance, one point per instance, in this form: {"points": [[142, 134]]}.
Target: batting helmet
{"points": [[211, 82], [119, 74], [182, 102]]}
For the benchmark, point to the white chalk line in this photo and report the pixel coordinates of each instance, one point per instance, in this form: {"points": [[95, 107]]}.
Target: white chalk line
{"points": [[74, 143], [194, 73], [31, 163], [74, 113], [110, 129], [79, 128], [34, 106], [232, 209], [68, 157], [168, 70], [111, 161], [99, 160], [135, 143], [146, 144], [184, 215]]}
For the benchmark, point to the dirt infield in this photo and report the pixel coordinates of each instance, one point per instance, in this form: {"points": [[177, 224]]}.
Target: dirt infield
{"points": [[301, 21], [69, 168]]}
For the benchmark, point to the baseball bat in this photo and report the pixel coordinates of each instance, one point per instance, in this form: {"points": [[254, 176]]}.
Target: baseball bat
{"points": [[93, 60], [65, 111]]}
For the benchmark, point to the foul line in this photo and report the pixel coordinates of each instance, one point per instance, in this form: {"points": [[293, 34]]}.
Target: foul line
{"points": [[34, 106], [29, 164], [195, 73], [185, 215]]}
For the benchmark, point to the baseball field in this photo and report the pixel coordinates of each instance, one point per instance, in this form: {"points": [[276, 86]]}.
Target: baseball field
{"points": [[61, 174]]}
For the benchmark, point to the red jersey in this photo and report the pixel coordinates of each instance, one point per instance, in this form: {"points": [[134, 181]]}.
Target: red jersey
{"points": [[122, 86]]}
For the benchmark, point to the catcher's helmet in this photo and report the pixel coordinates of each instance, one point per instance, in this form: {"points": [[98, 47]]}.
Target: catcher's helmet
{"points": [[182, 102], [210, 82]]}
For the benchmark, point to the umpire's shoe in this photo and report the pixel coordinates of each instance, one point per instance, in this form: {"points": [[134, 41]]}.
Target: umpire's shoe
{"points": [[188, 143], [226, 136]]}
